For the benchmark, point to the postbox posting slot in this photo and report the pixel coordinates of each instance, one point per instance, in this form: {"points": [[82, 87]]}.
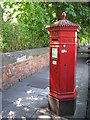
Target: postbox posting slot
{"points": [[54, 39]]}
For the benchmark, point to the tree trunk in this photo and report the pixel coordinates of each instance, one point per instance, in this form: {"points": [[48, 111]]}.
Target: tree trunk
{"points": [[57, 11]]}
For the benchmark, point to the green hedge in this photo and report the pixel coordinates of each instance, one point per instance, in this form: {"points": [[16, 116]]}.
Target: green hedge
{"points": [[21, 36]]}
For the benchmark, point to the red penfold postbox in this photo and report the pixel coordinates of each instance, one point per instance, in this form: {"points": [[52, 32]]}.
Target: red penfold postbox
{"points": [[63, 52]]}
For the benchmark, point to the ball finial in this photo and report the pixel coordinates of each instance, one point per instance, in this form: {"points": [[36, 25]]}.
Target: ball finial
{"points": [[64, 15]]}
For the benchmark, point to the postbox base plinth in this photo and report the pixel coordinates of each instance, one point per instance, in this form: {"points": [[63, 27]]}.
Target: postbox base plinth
{"points": [[61, 107]]}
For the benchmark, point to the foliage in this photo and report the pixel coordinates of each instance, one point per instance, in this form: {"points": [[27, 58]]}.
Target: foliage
{"points": [[78, 13], [24, 27], [29, 31]]}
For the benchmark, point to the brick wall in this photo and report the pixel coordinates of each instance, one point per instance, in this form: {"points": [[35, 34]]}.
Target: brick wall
{"points": [[15, 72]]}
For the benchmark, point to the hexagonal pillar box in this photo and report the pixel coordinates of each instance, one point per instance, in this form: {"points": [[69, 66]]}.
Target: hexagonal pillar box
{"points": [[63, 53]]}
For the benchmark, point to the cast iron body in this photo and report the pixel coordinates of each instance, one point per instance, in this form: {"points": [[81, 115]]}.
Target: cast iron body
{"points": [[63, 53]]}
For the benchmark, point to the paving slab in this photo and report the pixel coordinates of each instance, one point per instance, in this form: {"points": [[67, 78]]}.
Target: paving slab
{"points": [[43, 113], [38, 83], [80, 111], [14, 111], [40, 102]]}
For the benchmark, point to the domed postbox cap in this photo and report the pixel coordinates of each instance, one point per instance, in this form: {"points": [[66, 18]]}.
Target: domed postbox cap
{"points": [[64, 23]]}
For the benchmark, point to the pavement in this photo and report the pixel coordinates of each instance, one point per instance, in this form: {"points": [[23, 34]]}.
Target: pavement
{"points": [[88, 102], [29, 98]]}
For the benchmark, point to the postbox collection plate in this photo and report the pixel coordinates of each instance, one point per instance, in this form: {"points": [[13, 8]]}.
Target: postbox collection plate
{"points": [[54, 52]]}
